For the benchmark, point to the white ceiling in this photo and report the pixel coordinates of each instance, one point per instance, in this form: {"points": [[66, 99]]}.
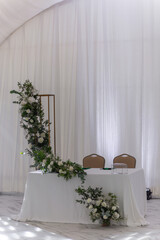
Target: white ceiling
{"points": [[14, 13]]}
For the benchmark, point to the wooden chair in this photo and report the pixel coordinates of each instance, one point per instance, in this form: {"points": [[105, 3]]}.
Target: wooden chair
{"points": [[127, 159], [93, 161]]}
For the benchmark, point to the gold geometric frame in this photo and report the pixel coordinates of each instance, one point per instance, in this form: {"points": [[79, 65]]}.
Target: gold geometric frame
{"points": [[49, 96]]}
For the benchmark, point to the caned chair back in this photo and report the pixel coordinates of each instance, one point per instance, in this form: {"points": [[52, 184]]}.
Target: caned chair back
{"points": [[93, 161], [127, 159]]}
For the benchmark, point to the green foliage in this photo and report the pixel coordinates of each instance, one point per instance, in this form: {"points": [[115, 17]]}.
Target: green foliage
{"points": [[37, 135]]}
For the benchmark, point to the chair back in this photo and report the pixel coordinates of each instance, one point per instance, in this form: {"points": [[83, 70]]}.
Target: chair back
{"points": [[93, 161], [127, 159]]}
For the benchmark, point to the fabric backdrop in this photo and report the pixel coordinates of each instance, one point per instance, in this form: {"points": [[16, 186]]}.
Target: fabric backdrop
{"points": [[101, 60]]}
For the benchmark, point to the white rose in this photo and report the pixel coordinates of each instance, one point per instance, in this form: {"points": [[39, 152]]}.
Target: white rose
{"points": [[37, 134], [94, 210], [40, 140], [43, 162], [105, 217], [116, 215], [71, 168], [98, 203], [50, 169], [60, 163], [90, 206], [89, 200], [114, 208], [60, 171], [43, 134], [28, 111], [26, 118], [31, 99], [31, 121], [23, 102], [104, 204]]}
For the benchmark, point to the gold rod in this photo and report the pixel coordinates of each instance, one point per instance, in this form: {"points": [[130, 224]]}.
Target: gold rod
{"points": [[48, 121], [50, 95], [54, 125]]}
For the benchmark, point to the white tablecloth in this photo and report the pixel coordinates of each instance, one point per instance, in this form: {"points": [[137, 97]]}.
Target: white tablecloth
{"points": [[50, 198]]}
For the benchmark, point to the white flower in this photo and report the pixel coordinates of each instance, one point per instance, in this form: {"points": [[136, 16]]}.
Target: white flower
{"points": [[116, 215], [105, 217], [40, 140], [90, 206], [31, 121], [71, 168], [114, 208], [98, 203], [104, 204], [50, 169], [89, 200], [94, 210], [51, 163], [44, 162], [28, 111], [26, 118], [60, 171], [23, 102], [97, 215], [37, 134], [43, 134], [31, 99], [60, 163]]}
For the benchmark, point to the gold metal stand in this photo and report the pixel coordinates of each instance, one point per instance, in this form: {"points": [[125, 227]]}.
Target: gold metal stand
{"points": [[50, 96]]}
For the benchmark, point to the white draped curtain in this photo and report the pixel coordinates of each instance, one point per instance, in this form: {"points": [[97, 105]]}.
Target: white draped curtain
{"points": [[101, 60]]}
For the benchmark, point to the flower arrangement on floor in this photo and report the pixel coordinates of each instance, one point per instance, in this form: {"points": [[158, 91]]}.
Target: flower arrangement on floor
{"points": [[102, 208], [37, 135]]}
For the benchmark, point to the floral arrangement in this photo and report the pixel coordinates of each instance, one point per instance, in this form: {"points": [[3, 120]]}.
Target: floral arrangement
{"points": [[102, 208], [37, 135]]}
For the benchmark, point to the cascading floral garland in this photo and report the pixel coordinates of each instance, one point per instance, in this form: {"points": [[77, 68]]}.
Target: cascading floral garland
{"points": [[37, 135], [101, 208]]}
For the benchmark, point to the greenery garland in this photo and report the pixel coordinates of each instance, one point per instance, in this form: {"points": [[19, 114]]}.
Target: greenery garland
{"points": [[102, 208], [37, 135]]}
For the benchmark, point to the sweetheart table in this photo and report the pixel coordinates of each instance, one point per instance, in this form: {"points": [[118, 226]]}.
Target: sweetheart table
{"points": [[49, 198]]}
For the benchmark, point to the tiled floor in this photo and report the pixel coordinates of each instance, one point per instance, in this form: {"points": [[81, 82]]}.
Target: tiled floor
{"points": [[12, 230]]}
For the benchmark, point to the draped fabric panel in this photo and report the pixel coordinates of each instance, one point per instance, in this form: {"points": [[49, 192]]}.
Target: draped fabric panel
{"points": [[14, 13], [101, 60]]}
